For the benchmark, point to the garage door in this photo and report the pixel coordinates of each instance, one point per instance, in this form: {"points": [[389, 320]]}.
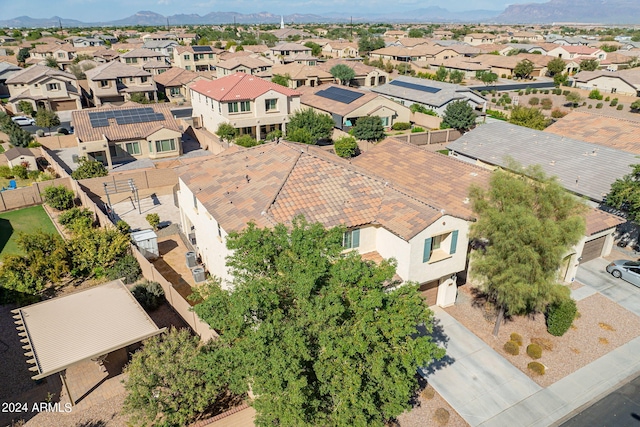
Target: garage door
{"points": [[593, 249], [63, 105], [429, 292]]}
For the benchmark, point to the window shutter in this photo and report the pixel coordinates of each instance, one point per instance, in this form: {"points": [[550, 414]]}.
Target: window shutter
{"points": [[454, 242], [355, 238], [427, 250]]}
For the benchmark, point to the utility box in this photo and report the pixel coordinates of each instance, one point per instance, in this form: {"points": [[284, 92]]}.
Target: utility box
{"points": [[198, 274], [147, 242], [192, 259]]}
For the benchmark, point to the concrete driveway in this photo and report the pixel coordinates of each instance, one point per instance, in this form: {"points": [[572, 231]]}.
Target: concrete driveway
{"points": [[594, 275]]}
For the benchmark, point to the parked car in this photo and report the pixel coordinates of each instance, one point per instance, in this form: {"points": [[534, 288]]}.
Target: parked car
{"points": [[625, 270], [23, 121]]}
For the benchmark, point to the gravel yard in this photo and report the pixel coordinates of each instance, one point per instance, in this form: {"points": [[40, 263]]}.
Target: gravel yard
{"points": [[430, 410], [601, 327]]}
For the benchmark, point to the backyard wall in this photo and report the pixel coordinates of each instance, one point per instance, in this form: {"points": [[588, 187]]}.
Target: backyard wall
{"points": [[28, 196], [433, 137]]}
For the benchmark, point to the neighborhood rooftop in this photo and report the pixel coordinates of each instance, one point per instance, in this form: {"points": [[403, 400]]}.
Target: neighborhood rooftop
{"points": [[238, 87], [423, 91]]}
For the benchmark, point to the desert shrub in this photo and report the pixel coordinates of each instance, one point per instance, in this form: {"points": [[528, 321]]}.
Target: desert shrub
{"points": [[126, 268], [590, 106], [560, 316], [512, 348], [509, 77], [34, 175], [484, 93], [493, 100], [150, 295], [58, 197], [534, 101], [534, 351], [76, 217], [428, 393], [441, 416], [546, 91], [544, 343], [557, 113], [566, 92], [506, 99], [534, 91], [620, 107], [417, 129], [599, 105], [607, 99], [614, 102], [5, 172], [595, 94], [517, 338], [346, 146], [20, 171], [546, 103], [401, 126], [504, 76], [536, 367], [154, 220], [123, 227]]}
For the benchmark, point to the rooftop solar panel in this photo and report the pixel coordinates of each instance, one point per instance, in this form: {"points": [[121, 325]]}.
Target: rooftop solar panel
{"points": [[201, 48], [414, 86], [125, 117], [341, 95]]}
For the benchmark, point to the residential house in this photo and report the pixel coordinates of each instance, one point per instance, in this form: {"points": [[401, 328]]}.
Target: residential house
{"points": [[114, 135], [290, 34], [105, 55], [196, 58], [259, 49], [115, 82], [164, 47], [20, 156], [303, 75], [396, 34], [504, 66], [64, 54], [108, 38], [6, 71], [86, 41], [340, 50], [141, 56], [525, 37], [431, 94], [156, 67], [459, 63], [187, 38], [571, 52], [383, 218], [157, 36], [418, 54], [624, 82], [255, 65], [442, 34], [475, 39], [174, 84], [44, 87], [250, 104], [284, 53], [615, 61], [7, 39], [569, 41], [347, 105], [364, 75]]}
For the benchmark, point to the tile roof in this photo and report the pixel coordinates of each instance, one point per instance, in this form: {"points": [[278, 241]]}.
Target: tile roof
{"points": [[272, 183], [581, 167], [85, 132], [238, 87], [631, 76], [114, 70], [358, 67], [246, 61], [175, 77], [142, 52], [301, 71], [447, 91], [598, 220], [16, 152], [309, 98], [614, 132], [36, 72], [202, 49], [290, 47]]}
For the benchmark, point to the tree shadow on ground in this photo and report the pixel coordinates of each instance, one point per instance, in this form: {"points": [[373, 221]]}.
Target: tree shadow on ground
{"points": [[6, 231], [441, 339]]}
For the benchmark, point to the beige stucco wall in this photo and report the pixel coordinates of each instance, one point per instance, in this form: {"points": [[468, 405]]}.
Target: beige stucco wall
{"points": [[383, 107], [609, 84]]}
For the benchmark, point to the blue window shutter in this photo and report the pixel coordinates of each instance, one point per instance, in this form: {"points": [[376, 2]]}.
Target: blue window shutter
{"points": [[454, 242], [355, 236], [427, 250]]}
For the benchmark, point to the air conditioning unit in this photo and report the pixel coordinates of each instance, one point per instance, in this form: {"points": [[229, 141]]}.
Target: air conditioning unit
{"points": [[191, 259], [198, 274], [74, 158]]}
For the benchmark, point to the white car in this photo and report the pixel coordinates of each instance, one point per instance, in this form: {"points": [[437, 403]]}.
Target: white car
{"points": [[23, 121]]}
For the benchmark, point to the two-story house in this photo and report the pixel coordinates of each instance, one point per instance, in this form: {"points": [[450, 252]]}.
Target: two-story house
{"points": [[250, 104], [174, 84], [364, 75], [573, 52], [253, 64], [115, 82], [284, 53], [86, 41], [164, 47], [6, 70], [44, 87], [141, 56], [119, 134], [340, 50], [475, 39], [196, 58], [64, 54]]}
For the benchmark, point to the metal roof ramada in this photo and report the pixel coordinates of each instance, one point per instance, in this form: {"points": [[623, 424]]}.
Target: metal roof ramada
{"points": [[81, 326], [239, 87], [581, 167]]}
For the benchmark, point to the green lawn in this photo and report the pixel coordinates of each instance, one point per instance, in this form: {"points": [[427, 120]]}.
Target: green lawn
{"points": [[27, 220]]}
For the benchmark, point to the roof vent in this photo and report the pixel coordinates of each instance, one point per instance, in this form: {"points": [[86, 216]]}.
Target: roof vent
{"points": [[552, 162], [473, 174], [466, 200]]}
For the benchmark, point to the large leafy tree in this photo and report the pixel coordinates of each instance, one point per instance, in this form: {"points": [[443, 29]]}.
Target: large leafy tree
{"points": [[89, 168], [625, 193], [527, 222], [530, 117], [343, 73], [487, 77], [317, 125], [282, 80], [316, 49], [556, 66], [367, 43], [47, 119], [459, 115], [368, 128], [523, 69], [316, 332], [226, 132], [589, 64]]}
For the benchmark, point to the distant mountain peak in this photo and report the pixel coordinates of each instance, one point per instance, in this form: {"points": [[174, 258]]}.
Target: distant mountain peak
{"points": [[584, 11]]}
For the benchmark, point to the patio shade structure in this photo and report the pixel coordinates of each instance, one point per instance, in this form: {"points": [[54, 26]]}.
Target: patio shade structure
{"points": [[85, 325]]}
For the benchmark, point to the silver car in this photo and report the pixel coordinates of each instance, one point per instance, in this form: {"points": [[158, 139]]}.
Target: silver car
{"points": [[625, 270]]}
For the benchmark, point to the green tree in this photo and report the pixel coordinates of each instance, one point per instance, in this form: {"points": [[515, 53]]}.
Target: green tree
{"points": [[561, 79], [456, 76], [51, 62], [317, 125], [556, 66], [346, 146], [368, 128], [47, 119], [589, 64], [95, 250], [168, 383], [459, 115], [343, 73], [26, 107], [246, 141], [416, 33], [301, 135], [153, 219], [316, 49], [528, 222], [442, 73], [625, 193], [281, 80], [58, 197], [487, 77], [523, 69], [316, 332], [19, 137], [23, 54], [530, 117], [573, 98], [368, 43], [226, 132], [635, 106], [89, 169], [139, 98]]}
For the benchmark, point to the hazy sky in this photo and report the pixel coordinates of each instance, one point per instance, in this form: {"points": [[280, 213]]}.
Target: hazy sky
{"points": [[106, 10]]}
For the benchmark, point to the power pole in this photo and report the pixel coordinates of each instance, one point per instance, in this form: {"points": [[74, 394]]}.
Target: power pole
{"points": [[352, 27]]}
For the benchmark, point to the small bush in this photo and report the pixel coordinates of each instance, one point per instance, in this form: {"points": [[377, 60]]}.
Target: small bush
{"points": [[346, 146], [544, 343], [126, 268], [546, 103], [123, 227], [517, 338], [5, 172], [58, 197], [595, 94], [401, 126], [493, 100], [154, 220], [504, 76], [560, 316], [417, 129], [590, 106], [614, 102], [534, 351], [20, 171], [546, 91], [607, 99], [534, 91], [150, 295], [536, 367], [441, 416], [512, 348], [521, 92], [484, 93], [620, 107], [76, 217], [599, 105], [509, 77], [534, 100], [34, 175], [558, 114], [273, 135], [566, 92]]}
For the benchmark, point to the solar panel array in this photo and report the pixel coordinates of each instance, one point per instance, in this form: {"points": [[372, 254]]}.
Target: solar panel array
{"points": [[414, 86], [340, 95], [202, 49], [124, 117]]}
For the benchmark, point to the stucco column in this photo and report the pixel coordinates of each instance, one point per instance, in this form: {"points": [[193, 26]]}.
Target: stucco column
{"points": [[258, 132]]}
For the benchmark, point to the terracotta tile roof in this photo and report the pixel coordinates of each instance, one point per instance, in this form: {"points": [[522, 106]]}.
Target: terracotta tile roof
{"points": [[115, 132], [598, 221], [310, 99], [301, 71], [255, 48], [114, 70], [36, 72], [142, 52], [247, 61], [272, 183], [176, 77], [582, 50], [290, 47], [238, 87], [614, 132]]}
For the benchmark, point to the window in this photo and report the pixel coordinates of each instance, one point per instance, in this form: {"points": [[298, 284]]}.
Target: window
{"points": [[60, 55], [187, 57], [104, 83], [134, 60], [165, 145], [53, 86], [245, 106], [144, 79], [132, 147], [219, 231], [188, 68], [233, 107], [211, 56], [271, 104], [127, 60], [174, 91], [195, 201], [351, 239], [440, 247], [150, 147]]}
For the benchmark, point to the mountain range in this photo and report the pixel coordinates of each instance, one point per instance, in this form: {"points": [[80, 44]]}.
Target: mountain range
{"points": [[577, 11]]}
